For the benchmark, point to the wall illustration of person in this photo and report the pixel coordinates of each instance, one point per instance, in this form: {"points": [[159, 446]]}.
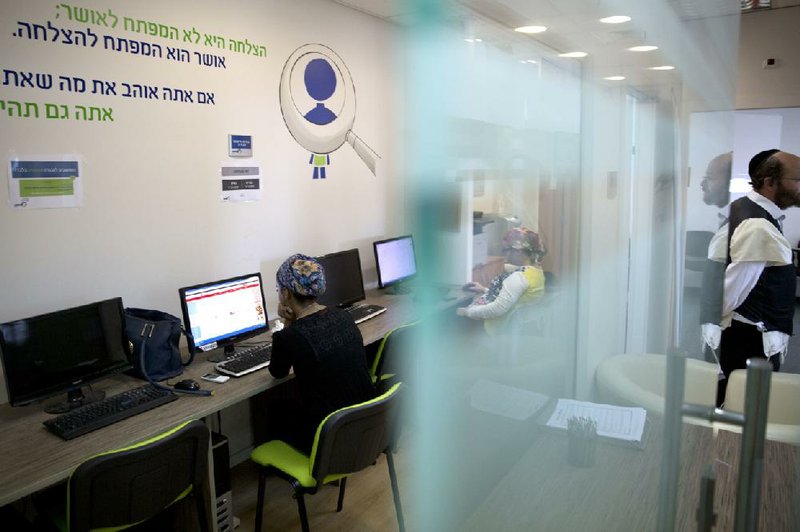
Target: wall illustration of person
{"points": [[319, 162], [320, 80]]}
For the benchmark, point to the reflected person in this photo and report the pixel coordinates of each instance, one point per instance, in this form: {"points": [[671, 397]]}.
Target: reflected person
{"points": [[716, 192]]}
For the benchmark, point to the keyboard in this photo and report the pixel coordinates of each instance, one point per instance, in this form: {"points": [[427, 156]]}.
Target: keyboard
{"points": [[247, 360], [107, 411], [364, 312]]}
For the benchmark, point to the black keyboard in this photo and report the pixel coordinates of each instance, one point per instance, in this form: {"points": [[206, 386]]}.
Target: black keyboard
{"points": [[247, 360], [364, 312], [107, 411]]}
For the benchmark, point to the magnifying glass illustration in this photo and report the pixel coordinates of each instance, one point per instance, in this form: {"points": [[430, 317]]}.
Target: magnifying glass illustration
{"points": [[318, 103]]}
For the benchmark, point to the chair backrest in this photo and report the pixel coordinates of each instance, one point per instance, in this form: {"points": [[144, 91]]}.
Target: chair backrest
{"points": [[386, 359], [351, 438], [784, 396], [133, 484]]}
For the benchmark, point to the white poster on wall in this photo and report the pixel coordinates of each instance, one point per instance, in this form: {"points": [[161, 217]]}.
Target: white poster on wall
{"points": [[240, 182], [44, 184]]}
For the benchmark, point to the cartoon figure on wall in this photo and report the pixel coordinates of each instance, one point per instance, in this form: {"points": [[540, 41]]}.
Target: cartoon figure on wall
{"points": [[318, 104]]}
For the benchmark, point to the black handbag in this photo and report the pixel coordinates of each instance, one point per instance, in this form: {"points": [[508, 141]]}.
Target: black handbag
{"points": [[155, 337]]}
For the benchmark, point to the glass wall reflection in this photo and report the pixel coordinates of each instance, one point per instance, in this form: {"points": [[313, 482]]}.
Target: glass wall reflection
{"points": [[560, 185]]}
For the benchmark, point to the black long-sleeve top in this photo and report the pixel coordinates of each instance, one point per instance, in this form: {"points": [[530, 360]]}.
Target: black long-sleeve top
{"points": [[326, 350]]}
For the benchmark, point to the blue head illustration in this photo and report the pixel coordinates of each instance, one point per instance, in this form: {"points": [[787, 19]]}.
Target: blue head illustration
{"points": [[320, 81]]}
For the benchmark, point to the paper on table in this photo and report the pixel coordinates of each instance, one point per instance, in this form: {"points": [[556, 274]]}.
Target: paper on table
{"points": [[620, 422], [506, 401]]}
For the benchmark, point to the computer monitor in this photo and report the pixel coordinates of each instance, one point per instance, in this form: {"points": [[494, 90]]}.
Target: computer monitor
{"points": [[343, 279], [61, 351], [395, 261], [221, 313]]}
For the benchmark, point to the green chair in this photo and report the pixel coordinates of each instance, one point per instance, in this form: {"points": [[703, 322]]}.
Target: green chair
{"points": [[128, 487], [347, 441], [386, 362]]}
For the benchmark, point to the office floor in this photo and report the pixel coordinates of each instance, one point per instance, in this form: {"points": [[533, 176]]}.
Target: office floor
{"points": [[368, 504]]}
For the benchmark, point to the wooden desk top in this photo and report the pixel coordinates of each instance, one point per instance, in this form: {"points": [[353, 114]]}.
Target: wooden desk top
{"points": [[31, 458], [621, 491]]}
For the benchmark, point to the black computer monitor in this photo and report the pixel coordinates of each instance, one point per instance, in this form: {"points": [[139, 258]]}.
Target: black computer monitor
{"points": [[220, 313], [395, 261], [61, 351], [343, 280]]}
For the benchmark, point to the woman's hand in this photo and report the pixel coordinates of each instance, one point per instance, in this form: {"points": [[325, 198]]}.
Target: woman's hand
{"points": [[286, 312], [478, 288]]}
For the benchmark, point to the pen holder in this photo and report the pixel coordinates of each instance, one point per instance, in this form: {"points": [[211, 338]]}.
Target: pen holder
{"points": [[581, 441]]}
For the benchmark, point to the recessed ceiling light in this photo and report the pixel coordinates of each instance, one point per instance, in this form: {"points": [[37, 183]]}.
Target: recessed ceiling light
{"points": [[615, 78], [531, 29], [531, 61], [616, 19], [527, 61], [573, 54], [662, 67], [473, 39], [645, 48]]}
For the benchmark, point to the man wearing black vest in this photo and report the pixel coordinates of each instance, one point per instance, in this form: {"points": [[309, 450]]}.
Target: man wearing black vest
{"points": [[759, 298]]}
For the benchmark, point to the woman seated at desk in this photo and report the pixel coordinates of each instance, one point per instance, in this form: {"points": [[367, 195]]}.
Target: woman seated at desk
{"points": [[325, 348], [522, 282]]}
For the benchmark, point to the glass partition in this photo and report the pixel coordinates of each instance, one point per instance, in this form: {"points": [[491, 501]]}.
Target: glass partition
{"points": [[595, 156]]}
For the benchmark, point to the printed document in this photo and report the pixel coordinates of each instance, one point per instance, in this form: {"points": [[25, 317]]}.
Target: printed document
{"points": [[619, 422]]}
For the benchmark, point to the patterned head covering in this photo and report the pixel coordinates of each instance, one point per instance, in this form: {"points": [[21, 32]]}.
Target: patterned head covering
{"points": [[525, 240], [302, 275]]}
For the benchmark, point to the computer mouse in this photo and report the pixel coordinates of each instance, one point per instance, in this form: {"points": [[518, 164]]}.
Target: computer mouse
{"points": [[187, 384]]}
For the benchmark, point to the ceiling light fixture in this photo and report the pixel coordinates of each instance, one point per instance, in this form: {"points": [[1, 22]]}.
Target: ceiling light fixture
{"points": [[662, 67], [473, 39], [615, 78], [616, 19], [644, 48], [573, 54], [531, 29]]}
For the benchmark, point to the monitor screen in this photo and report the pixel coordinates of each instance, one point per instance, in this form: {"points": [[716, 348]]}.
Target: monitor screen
{"points": [[58, 352], [220, 313], [343, 280], [395, 260]]}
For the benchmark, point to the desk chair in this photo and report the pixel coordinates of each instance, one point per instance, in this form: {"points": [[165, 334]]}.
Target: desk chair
{"points": [[783, 414], [130, 486], [347, 441], [392, 342]]}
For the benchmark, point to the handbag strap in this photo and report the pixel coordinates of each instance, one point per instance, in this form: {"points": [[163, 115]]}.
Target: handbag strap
{"points": [[147, 332], [190, 345]]}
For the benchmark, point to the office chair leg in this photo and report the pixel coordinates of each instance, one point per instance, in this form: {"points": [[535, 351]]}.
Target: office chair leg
{"points": [[301, 509], [398, 508], [260, 501], [340, 504]]}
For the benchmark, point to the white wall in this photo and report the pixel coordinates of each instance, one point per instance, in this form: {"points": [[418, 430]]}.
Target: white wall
{"points": [[152, 219], [765, 34]]}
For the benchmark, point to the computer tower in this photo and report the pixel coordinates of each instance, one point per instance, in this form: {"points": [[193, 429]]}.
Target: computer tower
{"points": [[222, 482]]}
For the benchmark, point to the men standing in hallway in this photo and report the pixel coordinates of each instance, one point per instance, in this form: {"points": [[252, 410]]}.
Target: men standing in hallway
{"points": [[758, 304]]}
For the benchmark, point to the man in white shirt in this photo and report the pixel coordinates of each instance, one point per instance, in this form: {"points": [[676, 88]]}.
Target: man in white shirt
{"points": [[758, 304]]}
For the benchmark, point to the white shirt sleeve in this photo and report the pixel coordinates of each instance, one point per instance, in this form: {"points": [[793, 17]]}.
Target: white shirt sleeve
{"points": [[740, 278], [513, 287]]}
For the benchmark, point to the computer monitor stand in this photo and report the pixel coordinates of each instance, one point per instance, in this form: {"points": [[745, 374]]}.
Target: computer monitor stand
{"points": [[75, 398], [220, 355], [398, 288]]}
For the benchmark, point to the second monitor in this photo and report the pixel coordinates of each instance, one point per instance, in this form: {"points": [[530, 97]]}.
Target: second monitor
{"points": [[396, 262], [345, 285]]}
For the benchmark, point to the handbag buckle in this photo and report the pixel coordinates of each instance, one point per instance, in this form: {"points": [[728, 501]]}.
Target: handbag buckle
{"points": [[147, 330]]}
